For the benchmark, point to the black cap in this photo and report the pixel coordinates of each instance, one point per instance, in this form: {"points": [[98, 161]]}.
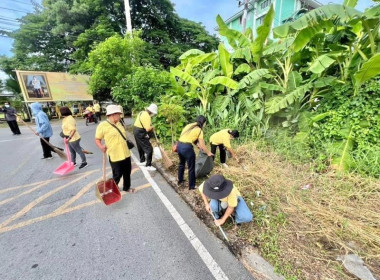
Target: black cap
{"points": [[217, 187]]}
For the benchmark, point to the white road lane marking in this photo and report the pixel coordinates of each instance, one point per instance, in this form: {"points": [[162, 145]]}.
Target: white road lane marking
{"points": [[209, 261]]}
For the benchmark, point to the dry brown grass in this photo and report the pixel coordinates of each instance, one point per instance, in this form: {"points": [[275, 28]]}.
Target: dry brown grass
{"points": [[299, 231]]}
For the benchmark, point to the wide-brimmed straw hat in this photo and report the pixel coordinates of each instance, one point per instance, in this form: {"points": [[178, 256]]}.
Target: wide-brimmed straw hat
{"points": [[112, 109], [153, 108], [217, 187]]}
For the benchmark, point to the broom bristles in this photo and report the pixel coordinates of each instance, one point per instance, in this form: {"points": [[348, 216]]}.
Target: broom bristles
{"points": [[165, 159], [61, 154]]}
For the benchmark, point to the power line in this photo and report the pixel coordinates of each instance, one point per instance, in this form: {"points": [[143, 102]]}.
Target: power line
{"points": [[30, 4], [21, 11]]}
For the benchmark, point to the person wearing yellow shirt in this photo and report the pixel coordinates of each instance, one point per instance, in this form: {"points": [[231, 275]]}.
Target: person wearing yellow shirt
{"points": [[225, 200], [69, 128], [90, 108], [97, 110], [191, 134], [114, 135], [142, 127], [222, 139]]}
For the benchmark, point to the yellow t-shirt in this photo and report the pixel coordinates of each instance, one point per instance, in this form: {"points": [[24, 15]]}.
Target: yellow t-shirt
{"points": [[117, 148], [69, 124], [97, 108], [90, 109], [144, 119], [231, 199], [221, 137], [190, 135]]}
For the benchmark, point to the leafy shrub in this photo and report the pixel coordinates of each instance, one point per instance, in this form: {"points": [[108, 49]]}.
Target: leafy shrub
{"points": [[352, 126], [142, 87]]}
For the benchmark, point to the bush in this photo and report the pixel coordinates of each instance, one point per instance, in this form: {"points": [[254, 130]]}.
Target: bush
{"points": [[142, 87]]}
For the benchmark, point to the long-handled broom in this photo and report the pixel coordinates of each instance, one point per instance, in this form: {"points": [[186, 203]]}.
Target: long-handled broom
{"points": [[60, 153], [165, 159]]}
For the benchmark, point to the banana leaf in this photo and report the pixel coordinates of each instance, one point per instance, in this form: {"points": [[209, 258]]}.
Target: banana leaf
{"points": [[184, 76], [225, 81], [224, 60], [369, 69]]}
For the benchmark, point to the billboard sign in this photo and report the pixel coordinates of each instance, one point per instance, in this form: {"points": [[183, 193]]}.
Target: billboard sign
{"points": [[53, 86]]}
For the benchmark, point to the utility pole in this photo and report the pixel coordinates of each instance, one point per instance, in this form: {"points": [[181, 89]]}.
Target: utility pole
{"points": [[244, 17], [128, 17]]}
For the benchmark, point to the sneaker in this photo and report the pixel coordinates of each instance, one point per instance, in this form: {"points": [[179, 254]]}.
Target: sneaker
{"points": [[224, 165], [141, 163], [83, 165], [47, 157], [150, 168]]}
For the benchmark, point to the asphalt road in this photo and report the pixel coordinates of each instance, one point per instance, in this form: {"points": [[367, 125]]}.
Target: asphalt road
{"points": [[53, 227]]}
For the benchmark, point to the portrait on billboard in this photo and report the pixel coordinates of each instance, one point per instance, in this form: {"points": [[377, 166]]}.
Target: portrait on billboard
{"points": [[36, 86]]}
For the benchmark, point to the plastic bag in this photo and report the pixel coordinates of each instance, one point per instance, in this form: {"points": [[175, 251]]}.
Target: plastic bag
{"points": [[157, 153]]}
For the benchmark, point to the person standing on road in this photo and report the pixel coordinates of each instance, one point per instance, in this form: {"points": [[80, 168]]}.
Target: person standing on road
{"points": [[191, 134], [69, 128], [11, 118], [142, 127], [222, 139], [226, 200], [116, 147], [97, 110], [43, 128]]}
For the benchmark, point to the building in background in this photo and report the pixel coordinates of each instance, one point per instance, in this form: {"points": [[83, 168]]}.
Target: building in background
{"points": [[285, 11]]}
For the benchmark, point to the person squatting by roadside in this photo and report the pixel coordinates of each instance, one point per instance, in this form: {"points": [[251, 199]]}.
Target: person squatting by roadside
{"points": [[116, 147], [191, 135], [69, 130], [11, 118], [43, 128], [225, 200], [222, 139], [142, 127]]}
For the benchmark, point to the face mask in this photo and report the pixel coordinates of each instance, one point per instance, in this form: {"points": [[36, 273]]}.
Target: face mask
{"points": [[7, 106]]}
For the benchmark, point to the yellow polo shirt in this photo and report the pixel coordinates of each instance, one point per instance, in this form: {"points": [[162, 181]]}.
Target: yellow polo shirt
{"points": [[90, 109], [221, 137], [144, 119], [231, 199], [97, 108], [117, 148], [69, 124], [190, 135]]}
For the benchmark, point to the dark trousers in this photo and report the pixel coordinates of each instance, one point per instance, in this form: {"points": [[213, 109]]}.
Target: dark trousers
{"points": [[222, 151], [14, 127], [143, 145], [98, 116], [186, 154], [75, 149], [122, 169], [45, 147]]}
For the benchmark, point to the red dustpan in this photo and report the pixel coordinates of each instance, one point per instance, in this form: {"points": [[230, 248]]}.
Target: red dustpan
{"points": [[67, 166], [106, 190]]}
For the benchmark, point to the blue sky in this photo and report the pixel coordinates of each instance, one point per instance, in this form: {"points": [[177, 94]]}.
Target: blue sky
{"points": [[204, 11]]}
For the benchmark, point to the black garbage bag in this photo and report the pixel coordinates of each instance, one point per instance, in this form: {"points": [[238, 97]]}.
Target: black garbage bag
{"points": [[203, 165]]}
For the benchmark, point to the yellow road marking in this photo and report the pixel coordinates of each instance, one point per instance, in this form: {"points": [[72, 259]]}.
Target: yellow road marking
{"points": [[55, 213], [47, 181], [40, 199], [24, 193], [78, 195]]}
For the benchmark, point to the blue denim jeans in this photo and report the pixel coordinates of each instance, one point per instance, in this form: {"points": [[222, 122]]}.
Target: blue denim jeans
{"points": [[242, 212], [186, 154]]}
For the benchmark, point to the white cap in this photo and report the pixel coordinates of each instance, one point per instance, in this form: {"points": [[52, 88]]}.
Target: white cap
{"points": [[112, 109], [152, 108]]}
